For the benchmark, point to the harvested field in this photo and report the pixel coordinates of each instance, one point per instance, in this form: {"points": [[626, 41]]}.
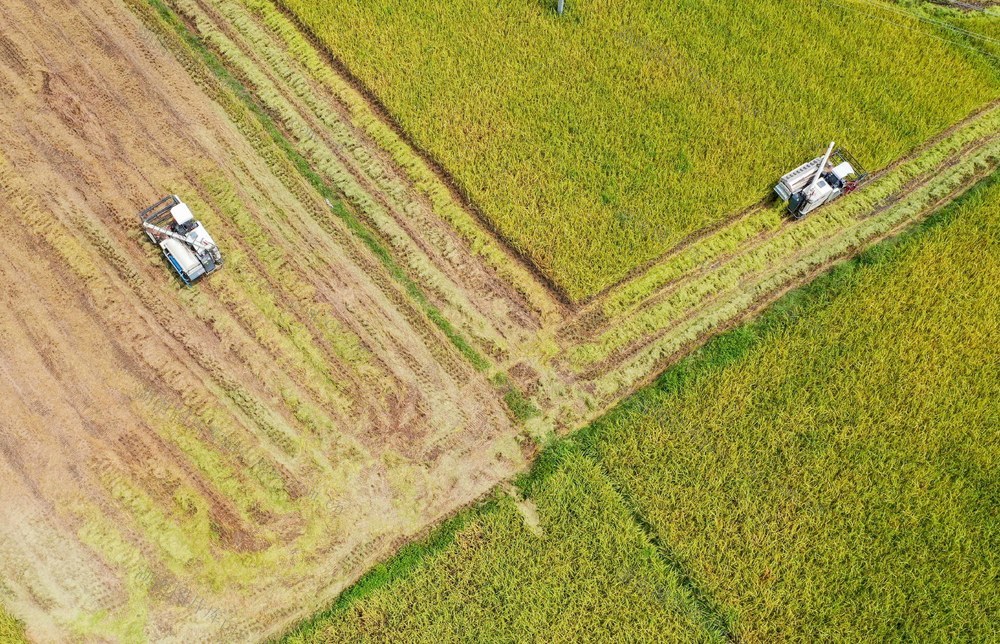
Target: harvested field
{"points": [[597, 141], [202, 460]]}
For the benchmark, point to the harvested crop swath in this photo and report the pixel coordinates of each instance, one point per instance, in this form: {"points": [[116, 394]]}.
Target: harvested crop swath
{"points": [[838, 480], [192, 455], [557, 568], [597, 141]]}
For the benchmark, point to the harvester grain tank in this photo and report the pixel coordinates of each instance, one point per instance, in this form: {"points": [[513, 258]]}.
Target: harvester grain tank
{"points": [[185, 243], [820, 181]]}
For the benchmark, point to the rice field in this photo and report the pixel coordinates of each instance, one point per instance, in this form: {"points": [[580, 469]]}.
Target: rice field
{"points": [[827, 472], [597, 141], [372, 358], [839, 480]]}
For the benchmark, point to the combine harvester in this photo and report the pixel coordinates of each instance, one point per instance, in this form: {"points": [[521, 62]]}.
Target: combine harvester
{"points": [[184, 241], [819, 182]]}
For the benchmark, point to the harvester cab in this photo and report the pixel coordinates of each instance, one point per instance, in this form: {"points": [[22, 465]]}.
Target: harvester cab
{"points": [[820, 181], [185, 243]]}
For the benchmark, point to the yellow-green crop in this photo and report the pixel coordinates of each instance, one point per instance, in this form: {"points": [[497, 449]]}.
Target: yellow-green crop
{"points": [[584, 572], [11, 629], [596, 141], [838, 481]]}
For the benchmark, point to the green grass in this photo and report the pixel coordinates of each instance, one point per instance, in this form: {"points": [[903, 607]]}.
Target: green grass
{"points": [[596, 141], [827, 471], [11, 629]]}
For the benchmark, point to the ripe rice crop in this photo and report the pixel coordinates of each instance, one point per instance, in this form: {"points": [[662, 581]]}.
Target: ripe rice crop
{"points": [[979, 29], [596, 141], [838, 481], [508, 579]]}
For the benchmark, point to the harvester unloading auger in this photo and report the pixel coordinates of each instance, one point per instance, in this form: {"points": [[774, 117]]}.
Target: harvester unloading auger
{"points": [[184, 241], [820, 181]]}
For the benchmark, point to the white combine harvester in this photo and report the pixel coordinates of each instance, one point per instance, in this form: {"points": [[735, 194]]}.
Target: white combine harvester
{"points": [[184, 241], [820, 181]]}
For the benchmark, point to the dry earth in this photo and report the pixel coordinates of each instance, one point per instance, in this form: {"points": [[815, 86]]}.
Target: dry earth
{"points": [[184, 463]]}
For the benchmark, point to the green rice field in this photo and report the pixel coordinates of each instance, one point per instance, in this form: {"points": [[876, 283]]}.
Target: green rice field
{"points": [[11, 630], [827, 472], [597, 141]]}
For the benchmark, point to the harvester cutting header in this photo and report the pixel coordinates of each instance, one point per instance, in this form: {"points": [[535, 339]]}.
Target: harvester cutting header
{"points": [[820, 181], [185, 243]]}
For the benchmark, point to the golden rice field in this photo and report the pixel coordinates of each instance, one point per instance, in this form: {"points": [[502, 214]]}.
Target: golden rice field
{"points": [[597, 141], [827, 472]]}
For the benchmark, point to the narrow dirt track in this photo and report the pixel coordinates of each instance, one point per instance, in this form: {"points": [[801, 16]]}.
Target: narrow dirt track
{"points": [[181, 464]]}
